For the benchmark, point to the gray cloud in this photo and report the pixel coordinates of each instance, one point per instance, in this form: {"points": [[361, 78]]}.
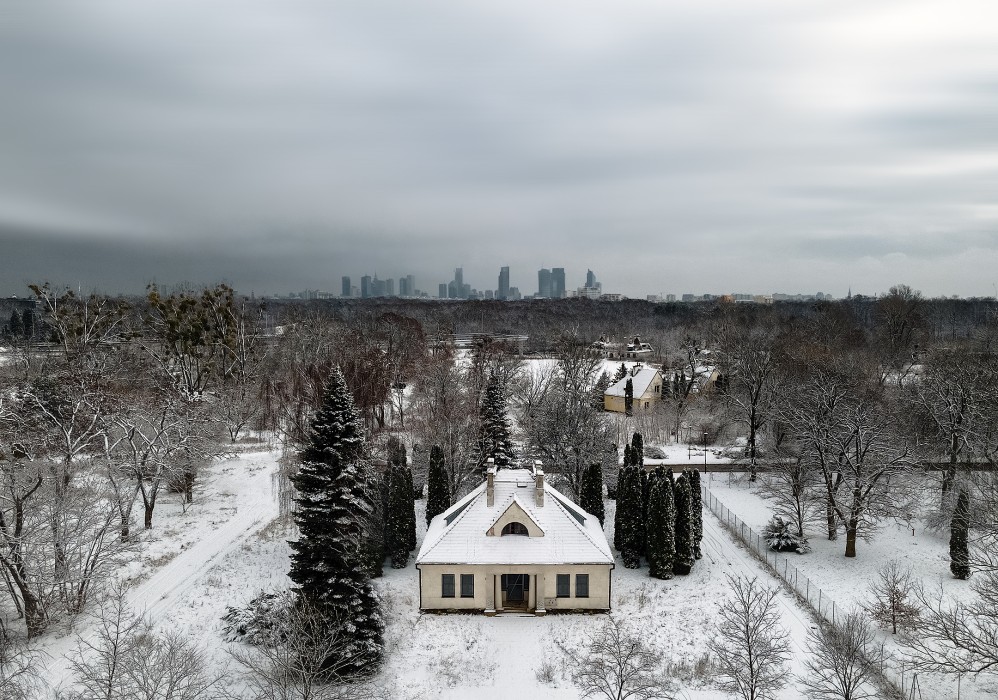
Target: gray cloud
{"points": [[730, 145]]}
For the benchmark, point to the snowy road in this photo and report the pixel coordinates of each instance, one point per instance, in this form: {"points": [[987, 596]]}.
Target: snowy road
{"points": [[256, 505]]}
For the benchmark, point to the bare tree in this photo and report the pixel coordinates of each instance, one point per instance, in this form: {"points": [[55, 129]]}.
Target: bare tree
{"points": [[843, 660], [303, 655], [125, 659], [19, 667], [956, 637], [750, 648], [615, 663], [891, 597]]}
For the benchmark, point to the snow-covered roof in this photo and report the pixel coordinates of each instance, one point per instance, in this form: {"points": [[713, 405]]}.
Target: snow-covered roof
{"points": [[639, 382], [458, 535]]}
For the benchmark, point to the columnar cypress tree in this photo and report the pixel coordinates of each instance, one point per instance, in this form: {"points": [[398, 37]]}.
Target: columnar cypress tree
{"points": [[396, 540], [410, 508], [437, 495], [333, 505], [683, 563], [599, 391], [629, 397], [638, 446], [696, 508], [661, 528], [959, 552], [632, 533], [620, 513], [494, 431], [591, 492]]}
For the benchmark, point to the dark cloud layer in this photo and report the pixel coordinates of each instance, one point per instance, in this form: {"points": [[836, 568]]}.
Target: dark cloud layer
{"points": [[723, 146]]}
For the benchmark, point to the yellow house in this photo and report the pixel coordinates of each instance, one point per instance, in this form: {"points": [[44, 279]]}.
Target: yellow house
{"points": [[514, 544], [646, 383]]}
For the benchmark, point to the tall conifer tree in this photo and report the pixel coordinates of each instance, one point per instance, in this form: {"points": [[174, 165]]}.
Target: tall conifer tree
{"points": [[494, 429], [661, 528], [334, 502], [437, 495], [683, 562], [591, 497], [696, 508]]}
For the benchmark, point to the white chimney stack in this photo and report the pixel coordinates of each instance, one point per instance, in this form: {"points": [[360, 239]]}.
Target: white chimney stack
{"points": [[538, 484], [490, 478]]}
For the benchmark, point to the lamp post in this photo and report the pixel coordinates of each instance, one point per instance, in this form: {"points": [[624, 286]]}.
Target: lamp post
{"points": [[705, 451]]}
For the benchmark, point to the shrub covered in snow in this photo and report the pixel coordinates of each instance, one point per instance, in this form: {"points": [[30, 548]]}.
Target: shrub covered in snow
{"points": [[255, 622], [780, 536]]}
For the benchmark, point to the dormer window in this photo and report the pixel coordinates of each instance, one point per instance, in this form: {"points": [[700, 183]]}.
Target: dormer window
{"points": [[515, 528]]}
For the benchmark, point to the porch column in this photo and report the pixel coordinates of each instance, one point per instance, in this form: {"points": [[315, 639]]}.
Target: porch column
{"points": [[539, 594], [490, 593]]}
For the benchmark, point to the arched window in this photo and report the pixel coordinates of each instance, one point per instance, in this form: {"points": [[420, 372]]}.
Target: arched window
{"points": [[515, 528]]}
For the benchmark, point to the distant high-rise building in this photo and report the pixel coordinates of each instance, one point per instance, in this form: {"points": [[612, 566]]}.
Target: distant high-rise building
{"points": [[544, 282], [514, 294], [558, 282], [378, 287], [389, 287], [345, 288], [403, 287], [365, 287], [452, 291], [410, 283], [590, 279], [442, 291], [503, 291]]}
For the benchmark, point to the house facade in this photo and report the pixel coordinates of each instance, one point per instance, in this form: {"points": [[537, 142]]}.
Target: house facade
{"points": [[646, 383], [514, 544]]}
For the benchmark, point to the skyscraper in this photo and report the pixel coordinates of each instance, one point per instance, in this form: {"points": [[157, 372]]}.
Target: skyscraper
{"points": [[544, 282], [503, 291], [365, 287], [441, 291], [590, 279], [410, 283], [345, 289], [558, 282], [403, 287]]}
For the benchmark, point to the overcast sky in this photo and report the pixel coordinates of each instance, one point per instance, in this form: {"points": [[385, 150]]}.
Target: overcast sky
{"points": [[710, 146]]}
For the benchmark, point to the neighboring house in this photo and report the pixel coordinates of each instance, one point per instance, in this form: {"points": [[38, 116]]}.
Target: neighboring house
{"points": [[514, 544], [646, 383]]}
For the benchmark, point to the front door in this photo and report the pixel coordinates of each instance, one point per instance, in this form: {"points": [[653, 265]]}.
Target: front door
{"points": [[514, 590]]}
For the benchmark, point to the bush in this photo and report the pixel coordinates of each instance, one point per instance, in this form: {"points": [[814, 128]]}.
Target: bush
{"points": [[780, 536]]}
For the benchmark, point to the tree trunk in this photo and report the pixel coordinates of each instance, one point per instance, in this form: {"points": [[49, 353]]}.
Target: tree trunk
{"points": [[147, 515], [851, 537], [833, 530], [949, 476]]}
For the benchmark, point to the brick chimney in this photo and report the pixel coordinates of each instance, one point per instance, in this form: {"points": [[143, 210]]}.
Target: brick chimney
{"points": [[490, 480], [538, 484]]}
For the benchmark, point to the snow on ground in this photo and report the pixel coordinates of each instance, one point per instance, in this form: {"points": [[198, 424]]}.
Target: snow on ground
{"points": [[848, 581]]}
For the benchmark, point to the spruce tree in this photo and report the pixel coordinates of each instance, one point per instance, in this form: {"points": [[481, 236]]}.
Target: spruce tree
{"points": [[591, 491], [661, 524], [621, 373], [437, 496], [683, 562], [494, 430], [638, 446], [599, 391], [333, 504], [410, 508], [629, 397], [696, 508], [959, 552]]}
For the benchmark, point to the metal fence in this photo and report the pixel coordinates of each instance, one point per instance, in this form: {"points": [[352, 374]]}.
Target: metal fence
{"points": [[807, 589]]}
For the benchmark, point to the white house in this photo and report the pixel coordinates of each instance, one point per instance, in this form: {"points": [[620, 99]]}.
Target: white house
{"points": [[514, 543]]}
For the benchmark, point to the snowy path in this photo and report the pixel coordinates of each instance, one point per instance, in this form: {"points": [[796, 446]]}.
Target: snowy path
{"points": [[253, 492], [720, 547]]}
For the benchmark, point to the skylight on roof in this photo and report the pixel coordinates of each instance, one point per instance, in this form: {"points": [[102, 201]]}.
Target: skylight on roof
{"points": [[450, 518]]}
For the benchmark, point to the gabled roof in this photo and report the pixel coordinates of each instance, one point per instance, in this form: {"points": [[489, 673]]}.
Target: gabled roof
{"points": [[519, 504], [639, 382], [463, 540]]}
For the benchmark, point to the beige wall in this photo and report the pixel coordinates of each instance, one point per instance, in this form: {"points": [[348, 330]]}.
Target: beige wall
{"points": [[616, 403], [488, 576]]}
